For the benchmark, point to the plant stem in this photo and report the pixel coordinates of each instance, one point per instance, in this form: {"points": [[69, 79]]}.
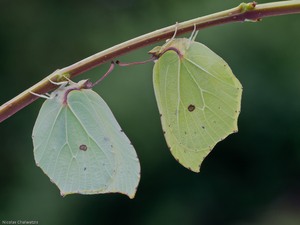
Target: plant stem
{"points": [[241, 13]]}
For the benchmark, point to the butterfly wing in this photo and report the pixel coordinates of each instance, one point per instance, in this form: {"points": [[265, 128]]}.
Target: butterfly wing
{"points": [[83, 149], [199, 101]]}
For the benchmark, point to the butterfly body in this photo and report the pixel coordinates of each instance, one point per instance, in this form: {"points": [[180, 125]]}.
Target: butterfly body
{"points": [[198, 98], [79, 144]]}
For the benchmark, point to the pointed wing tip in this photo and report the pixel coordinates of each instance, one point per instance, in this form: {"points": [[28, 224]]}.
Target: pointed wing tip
{"points": [[64, 194], [196, 169], [131, 196]]}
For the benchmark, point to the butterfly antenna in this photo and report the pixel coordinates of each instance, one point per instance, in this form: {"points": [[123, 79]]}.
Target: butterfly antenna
{"points": [[112, 66], [136, 63]]}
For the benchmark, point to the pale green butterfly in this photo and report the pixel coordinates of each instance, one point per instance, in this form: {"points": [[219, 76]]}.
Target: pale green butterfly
{"points": [[198, 98], [79, 144]]}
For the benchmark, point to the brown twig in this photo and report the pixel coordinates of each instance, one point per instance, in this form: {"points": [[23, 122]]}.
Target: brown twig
{"points": [[241, 13]]}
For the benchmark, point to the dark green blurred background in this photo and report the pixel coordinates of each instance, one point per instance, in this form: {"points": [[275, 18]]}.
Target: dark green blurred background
{"points": [[251, 178]]}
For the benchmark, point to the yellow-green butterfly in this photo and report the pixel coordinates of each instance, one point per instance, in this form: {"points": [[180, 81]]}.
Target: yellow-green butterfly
{"points": [[198, 98], [79, 144]]}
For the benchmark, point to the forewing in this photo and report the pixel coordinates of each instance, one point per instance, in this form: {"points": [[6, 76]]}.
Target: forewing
{"points": [[94, 156], [199, 101]]}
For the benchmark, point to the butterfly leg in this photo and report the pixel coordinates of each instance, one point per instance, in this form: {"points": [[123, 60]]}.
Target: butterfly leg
{"points": [[175, 32], [46, 96], [61, 83], [193, 35]]}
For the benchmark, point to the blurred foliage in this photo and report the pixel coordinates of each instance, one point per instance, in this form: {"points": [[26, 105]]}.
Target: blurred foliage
{"points": [[251, 178]]}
